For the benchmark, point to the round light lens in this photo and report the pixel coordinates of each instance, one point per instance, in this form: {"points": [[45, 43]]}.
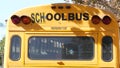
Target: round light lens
{"points": [[95, 19], [25, 19], [15, 19], [106, 20]]}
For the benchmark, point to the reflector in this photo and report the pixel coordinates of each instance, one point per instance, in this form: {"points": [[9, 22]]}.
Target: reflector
{"points": [[25, 19], [106, 20], [15, 19], [95, 19]]}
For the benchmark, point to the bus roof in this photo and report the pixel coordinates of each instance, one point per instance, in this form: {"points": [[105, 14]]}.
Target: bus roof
{"points": [[62, 17]]}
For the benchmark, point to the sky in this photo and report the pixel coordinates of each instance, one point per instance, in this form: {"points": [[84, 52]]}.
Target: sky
{"points": [[7, 7]]}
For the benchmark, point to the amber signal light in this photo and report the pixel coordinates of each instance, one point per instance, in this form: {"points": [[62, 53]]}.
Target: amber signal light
{"points": [[24, 19], [96, 20]]}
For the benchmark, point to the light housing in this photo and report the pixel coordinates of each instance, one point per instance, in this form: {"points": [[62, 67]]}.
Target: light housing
{"points": [[106, 20], [68, 7], [96, 19], [53, 7], [25, 19], [15, 19]]}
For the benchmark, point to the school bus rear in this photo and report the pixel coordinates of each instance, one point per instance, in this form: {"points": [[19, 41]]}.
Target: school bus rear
{"points": [[62, 36]]}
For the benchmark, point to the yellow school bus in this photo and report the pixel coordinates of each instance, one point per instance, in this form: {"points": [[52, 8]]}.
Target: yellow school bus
{"points": [[62, 36]]}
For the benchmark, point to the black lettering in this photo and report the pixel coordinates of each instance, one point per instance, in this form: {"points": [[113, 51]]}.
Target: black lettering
{"points": [[63, 17], [42, 17], [37, 17], [71, 16], [78, 16], [33, 17], [49, 16], [57, 16], [86, 16]]}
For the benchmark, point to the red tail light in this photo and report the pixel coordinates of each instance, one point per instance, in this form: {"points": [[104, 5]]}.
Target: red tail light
{"points": [[95, 19], [106, 20], [15, 19], [25, 19]]}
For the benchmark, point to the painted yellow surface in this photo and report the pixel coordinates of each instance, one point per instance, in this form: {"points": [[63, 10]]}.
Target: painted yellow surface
{"points": [[48, 21]]}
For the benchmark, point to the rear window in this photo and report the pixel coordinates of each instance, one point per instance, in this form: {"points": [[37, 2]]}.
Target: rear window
{"points": [[57, 48], [107, 48], [15, 48]]}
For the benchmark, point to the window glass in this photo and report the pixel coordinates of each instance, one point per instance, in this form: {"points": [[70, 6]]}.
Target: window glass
{"points": [[15, 48], [107, 52], [57, 48]]}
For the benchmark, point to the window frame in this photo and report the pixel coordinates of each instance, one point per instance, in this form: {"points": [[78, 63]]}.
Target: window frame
{"points": [[11, 53], [93, 51], [111, 39]]}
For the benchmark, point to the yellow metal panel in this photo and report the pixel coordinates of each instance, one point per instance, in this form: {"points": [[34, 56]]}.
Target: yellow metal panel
{"points": [[58, 22]]}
